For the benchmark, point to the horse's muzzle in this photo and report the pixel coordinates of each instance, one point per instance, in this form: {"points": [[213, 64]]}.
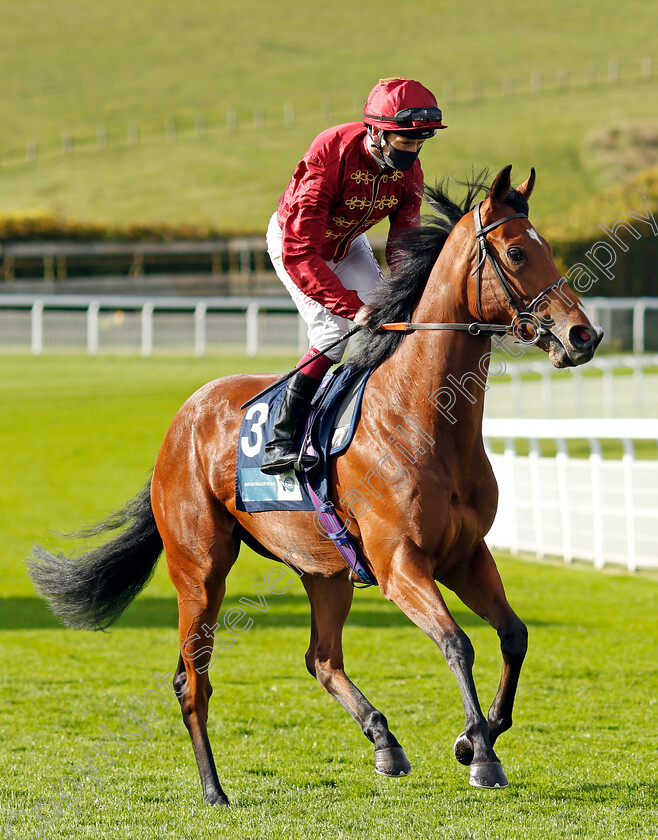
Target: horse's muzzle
{"points": [[584, 339], [575, 348]]}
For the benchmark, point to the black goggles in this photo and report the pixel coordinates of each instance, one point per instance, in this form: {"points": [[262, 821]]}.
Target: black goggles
{"points": [[410, 116]]}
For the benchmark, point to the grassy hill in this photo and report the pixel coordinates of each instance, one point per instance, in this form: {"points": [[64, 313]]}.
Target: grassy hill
{"points": [[197, 112]]}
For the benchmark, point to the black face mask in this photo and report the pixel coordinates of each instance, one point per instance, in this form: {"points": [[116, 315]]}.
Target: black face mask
{"points": [[396, 158]]}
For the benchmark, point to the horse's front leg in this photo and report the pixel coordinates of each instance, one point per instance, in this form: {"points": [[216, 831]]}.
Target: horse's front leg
{"points": [[478, 584], [409, 583], [331, 600]]}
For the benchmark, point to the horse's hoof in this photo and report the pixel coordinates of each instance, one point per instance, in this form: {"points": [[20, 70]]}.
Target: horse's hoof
{"points": [[216, 798], [391, 761], [490, 775], [463, 749]]}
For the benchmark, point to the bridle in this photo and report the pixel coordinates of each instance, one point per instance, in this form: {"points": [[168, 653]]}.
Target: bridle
{"points": [[484, 254], [523, 314]]}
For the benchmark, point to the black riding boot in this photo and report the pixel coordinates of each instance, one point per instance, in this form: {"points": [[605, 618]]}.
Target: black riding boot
{"points": [[281, 451]]}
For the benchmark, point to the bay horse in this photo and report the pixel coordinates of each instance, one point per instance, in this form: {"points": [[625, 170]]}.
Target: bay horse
{"points": [[429, 528]]}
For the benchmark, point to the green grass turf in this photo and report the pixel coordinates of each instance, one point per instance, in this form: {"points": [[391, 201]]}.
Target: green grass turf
{"points": [[77, 437], [72, 66]]}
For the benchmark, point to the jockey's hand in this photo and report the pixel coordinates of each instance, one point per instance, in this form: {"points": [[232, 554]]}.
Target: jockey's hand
{"points": [[362, 316]]}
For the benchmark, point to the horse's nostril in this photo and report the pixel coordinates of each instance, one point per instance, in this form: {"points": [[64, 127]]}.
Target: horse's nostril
{"points": [[581, 337]]}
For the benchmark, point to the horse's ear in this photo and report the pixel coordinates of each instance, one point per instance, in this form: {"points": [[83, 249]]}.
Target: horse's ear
{"points": [[501, 186], [528, 186]]}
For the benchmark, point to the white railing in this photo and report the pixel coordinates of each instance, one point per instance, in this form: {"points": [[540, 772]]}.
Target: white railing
{"points": [[144, 325], [608, 386], [43, 322], [597, 509], [632, 311]]}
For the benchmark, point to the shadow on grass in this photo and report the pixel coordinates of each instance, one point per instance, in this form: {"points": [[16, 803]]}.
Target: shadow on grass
{"points": [[290, 610]]}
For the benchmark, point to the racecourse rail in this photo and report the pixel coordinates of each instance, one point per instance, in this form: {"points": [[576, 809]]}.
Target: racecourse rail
{"points": [[596, 509], [531, 387], [96, 322]]}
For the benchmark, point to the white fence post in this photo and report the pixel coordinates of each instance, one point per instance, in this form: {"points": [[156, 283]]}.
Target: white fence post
{"points": [[627, 465], [37, 328], [639, 310], [200, 329], [92, 327], [252, 329], [595, 459], [535, 491], [561, 458], [147, 329], [510, 457], [606, 320]]}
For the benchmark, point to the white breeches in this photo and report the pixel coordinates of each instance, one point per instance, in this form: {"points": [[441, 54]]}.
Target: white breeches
{"points": [[359, 271]]}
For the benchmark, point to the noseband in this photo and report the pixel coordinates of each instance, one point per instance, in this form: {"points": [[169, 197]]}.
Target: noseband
{"points": [[517, 306]]}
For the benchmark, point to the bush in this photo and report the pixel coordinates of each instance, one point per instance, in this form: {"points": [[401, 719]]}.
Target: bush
{"points": [[40, 227], [573, 235]]}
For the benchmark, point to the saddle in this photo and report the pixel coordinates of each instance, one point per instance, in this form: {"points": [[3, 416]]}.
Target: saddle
{"points": [[329, 429]]}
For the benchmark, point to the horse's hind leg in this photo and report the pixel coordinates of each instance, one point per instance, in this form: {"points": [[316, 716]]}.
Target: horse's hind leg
{"points": [[478, 585], [331, 600], [199, 556], [197, 623]]}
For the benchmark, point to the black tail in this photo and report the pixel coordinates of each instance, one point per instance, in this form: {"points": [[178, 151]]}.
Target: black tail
{"points": [[89, 591]]}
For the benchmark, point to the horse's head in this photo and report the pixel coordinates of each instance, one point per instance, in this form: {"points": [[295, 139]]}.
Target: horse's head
{"points": [[516, 279]]}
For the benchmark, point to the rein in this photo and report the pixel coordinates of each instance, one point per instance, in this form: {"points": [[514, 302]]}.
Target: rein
{"points": [[483, 328], [474, 329]]}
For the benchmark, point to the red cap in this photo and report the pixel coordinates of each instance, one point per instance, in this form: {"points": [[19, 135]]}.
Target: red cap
{"points": [[402, 105]]}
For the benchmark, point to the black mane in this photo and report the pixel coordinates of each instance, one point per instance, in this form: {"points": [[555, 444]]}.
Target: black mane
{"points": [[416, 252]]}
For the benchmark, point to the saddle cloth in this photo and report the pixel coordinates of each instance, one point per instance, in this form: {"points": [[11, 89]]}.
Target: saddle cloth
{"points": [[334, 416]]}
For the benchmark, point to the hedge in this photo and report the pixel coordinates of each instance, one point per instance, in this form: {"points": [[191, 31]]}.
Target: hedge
{"points": [[41, 227], [577, 238]]}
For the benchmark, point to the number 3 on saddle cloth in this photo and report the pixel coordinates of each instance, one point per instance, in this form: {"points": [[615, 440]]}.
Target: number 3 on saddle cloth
{"points": [[328, 431]]}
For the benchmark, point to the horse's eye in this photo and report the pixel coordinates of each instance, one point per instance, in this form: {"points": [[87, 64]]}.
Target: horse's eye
{"points": [[516, 254]]}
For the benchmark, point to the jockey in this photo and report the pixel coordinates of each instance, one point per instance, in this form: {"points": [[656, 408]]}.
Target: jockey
{"points": [[352, 177]]}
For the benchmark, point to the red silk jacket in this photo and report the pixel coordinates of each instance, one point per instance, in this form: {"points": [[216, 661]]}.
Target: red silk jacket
{"points": [[337, 192]]}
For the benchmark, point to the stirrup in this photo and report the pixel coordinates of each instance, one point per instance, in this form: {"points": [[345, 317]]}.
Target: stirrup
{"points": [[287, 461], [304, 461]]}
